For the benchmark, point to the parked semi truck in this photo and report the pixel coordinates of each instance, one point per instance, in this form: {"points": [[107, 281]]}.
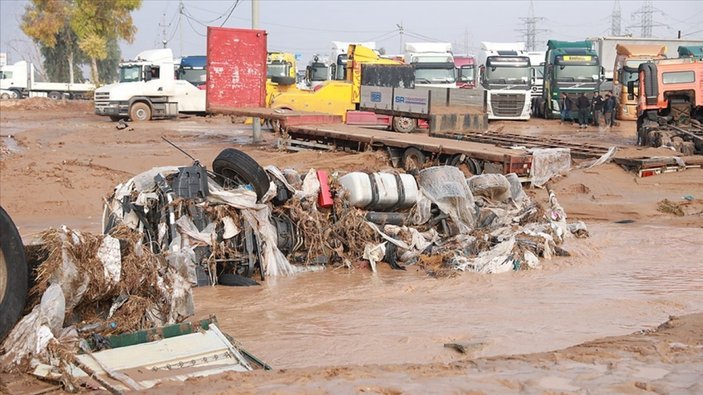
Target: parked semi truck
{"points": [[670, 104], [281, 73], [193, 69], [504, 70], [465, 71], [627, 63], [537, 79], [318, 71], [20, 81], [148, 89], [433, 62], [605, 47], [690, 51], [571, 67], [339, 57]]}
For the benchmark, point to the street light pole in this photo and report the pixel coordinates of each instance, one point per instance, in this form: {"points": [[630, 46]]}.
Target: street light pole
{"points": [[256, 122]]}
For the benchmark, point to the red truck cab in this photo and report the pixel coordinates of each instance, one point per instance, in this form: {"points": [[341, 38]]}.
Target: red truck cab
{"points": [[465, 71]]}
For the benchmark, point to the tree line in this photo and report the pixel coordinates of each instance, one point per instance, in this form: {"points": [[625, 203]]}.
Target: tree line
{"points": [[71, 33]]}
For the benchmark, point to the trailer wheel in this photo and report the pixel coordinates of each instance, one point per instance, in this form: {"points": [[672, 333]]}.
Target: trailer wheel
{"points": [[14, 274], [413, 159], [404, 124], [235, 167], [53, 95], [474, 166], [4, 96], [140, 112]]}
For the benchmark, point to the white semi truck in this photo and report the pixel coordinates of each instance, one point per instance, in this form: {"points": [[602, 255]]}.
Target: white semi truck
{"points": [[148, 89], [434, 64], [537, 74], [18, 81], [505, 75]]}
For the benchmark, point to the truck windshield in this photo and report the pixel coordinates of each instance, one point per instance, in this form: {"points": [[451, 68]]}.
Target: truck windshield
{"points": [[319, 72], [196, 77], [508, 75], [466, 73], [277, 70], [629, 71], [130, 73], [434, 75], [576, 73]]}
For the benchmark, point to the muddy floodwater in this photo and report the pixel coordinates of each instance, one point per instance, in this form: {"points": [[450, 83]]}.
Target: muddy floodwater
{"points": [[624, 278]]}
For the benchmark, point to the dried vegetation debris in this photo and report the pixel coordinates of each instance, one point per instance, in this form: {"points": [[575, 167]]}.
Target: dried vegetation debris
{"points": [[107, 284]]}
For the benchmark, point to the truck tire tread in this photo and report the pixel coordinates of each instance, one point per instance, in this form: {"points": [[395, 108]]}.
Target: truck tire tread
{"points": [[14, 296], [232, 162]]}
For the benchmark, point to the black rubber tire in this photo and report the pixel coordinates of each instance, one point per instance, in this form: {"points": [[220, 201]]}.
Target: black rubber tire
{"points": [[5, 96], [404, 124], [283, 80], [53, 95], [238, 166], [115, 118], [413, 159], [140, 112], [235, 280], [15, 275]]}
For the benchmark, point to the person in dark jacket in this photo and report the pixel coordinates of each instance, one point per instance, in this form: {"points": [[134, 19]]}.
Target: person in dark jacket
{"points": [[614, 99], [583, 105], [566, 104], [597, 108], [608, 109]]}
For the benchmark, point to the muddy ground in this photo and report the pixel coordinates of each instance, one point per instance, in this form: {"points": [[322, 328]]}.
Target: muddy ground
{"points": [[342, 331]]}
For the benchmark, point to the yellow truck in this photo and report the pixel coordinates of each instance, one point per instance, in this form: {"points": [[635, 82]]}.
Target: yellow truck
{"points": [[332, 97], [281, 71], [627, 61]]}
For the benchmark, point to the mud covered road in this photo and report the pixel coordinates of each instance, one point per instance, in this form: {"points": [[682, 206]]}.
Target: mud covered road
{"points": [[342, 331]]}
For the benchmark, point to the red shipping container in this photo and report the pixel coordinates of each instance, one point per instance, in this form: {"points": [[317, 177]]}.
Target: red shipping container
{"points": [[236, 68], [324, 199]]}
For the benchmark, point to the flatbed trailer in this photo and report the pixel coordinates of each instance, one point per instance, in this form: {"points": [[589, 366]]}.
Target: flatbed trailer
{"points": [[410, 150]]}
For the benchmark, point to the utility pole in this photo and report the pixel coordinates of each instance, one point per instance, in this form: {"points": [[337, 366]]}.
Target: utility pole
{"points": [[180, 27], [530, 30], [400, 33], [163, 27], [615, 19], [256, 122]]}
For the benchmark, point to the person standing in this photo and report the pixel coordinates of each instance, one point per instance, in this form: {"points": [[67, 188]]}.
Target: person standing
{"points": [[597, 108], [566, 105], [614, 99], [608, 109], [583, 105]]}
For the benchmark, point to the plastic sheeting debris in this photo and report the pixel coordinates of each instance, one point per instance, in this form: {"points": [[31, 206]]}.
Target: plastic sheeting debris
{"points": [[548, 163], [446, 187]]}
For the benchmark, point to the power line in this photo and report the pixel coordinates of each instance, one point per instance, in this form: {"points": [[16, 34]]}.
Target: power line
{"points": [[236, 3]]}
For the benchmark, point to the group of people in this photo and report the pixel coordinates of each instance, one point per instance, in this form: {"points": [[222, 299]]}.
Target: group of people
{"points": [[601, 108]]}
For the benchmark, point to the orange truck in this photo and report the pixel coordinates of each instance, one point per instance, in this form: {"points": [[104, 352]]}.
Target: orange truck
{"points": [[629, 58], [670, 104]]}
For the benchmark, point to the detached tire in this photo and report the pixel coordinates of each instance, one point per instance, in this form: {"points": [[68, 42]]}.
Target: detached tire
{"points": [[14, 275], [240, 168], [140, 112], [413, 159], [404, 124]]}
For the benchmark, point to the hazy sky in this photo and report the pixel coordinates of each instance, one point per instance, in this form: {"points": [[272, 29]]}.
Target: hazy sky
{"points": [[307, 27]]}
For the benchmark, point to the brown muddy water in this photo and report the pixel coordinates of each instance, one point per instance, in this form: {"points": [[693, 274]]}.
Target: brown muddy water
{"points": [[624, 278]]}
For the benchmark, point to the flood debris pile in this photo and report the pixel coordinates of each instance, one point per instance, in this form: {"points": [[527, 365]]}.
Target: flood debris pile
{"points": [[242, 221], [88, 287]]}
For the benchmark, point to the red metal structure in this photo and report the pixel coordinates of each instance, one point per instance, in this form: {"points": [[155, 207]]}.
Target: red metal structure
{"points": [[236, 68]]}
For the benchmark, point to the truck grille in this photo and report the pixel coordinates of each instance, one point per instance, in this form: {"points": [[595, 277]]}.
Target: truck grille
{"points": [[507, 105], [102, 95]]}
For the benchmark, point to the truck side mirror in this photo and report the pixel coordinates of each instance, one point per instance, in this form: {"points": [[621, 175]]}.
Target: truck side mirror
{"points": [[147, 73], [630, 90]]}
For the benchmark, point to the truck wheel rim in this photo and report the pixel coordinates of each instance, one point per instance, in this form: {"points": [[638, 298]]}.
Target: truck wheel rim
{"points": [[405, 123], [3, 276], [141, 114]]}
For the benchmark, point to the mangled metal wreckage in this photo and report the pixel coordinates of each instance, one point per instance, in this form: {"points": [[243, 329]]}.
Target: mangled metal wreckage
{"points": [[242, 220]]}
